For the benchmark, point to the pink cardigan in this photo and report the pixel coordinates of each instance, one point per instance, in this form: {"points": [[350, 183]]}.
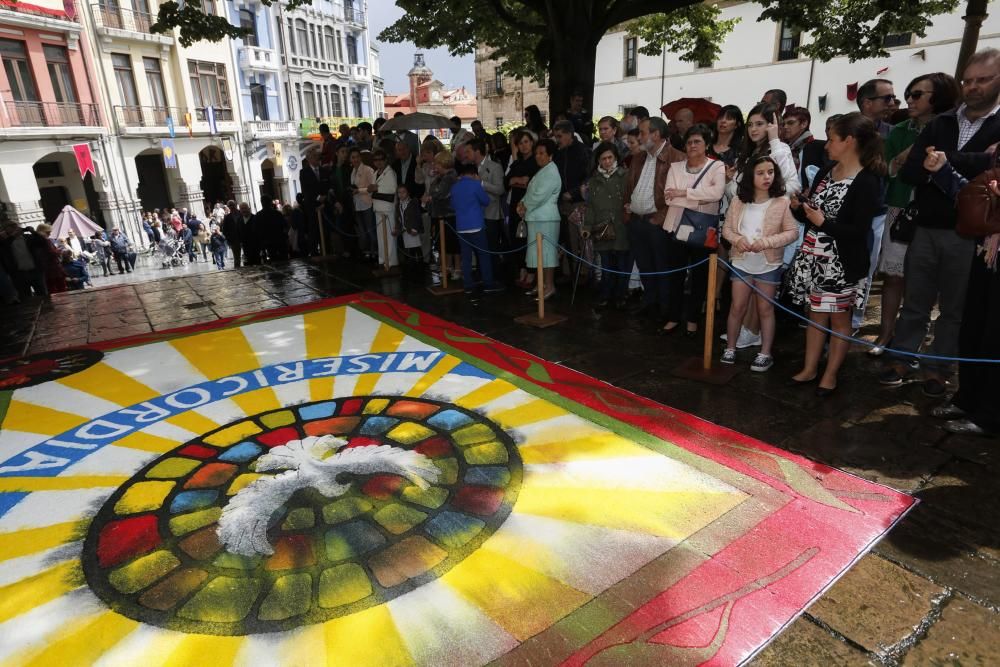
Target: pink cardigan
{"points": [[780, 228], [705, 199]]}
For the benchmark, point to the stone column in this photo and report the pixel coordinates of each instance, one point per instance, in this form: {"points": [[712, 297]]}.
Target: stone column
{"points": [[25, 212], [192, 198], [126, 213], [282, 190]]}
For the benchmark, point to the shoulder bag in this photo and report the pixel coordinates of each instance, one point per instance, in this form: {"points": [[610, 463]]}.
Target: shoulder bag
{"points": [[697, 229], [978, 208]]}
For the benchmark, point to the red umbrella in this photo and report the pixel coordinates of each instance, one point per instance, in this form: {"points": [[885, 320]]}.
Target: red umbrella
{"points": [[704, 111]]}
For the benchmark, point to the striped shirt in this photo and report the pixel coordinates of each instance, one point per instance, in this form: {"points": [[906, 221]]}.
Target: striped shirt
{"points": [[643, 200]]}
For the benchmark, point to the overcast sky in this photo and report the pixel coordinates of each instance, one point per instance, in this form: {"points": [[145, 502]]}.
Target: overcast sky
{"points": [[397, 59]]}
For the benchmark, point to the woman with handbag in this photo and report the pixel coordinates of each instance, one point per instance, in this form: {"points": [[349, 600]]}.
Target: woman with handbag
{"points": [[830, 270], [522, 168], [759, 224], [693, 193], [604, 223], [926, 97]]}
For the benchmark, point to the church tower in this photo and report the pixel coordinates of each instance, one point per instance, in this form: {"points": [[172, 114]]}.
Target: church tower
{"points": [[419, 74]]}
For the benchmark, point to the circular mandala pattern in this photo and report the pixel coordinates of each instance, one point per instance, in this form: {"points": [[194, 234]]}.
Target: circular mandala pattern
{"points": [[153, 553], [45, 366]]}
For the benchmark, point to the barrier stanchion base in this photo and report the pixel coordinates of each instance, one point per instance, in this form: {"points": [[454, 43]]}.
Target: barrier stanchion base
{"points": [[694, 369], [533, 320], [438, 290], [382, 272]]}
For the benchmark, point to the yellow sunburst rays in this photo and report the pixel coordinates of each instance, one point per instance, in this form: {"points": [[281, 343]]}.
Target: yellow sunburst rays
{"points": [[324, 331], [218, 354], [387, 339]]}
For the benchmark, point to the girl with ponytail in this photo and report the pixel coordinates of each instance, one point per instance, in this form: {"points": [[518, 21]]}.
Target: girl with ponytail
{"points": [[830, 270]]}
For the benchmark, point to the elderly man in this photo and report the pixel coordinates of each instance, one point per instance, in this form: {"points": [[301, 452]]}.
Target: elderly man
{"points": [[647, 208], [681, 123], [491, 175], [573, 161]]}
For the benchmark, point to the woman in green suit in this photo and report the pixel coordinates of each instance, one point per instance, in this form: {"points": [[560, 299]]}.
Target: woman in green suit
{"points": [[540, 209]]}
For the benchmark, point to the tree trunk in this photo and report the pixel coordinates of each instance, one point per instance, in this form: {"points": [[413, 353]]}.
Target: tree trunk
{"points": [[572, 57], [975, 14]]}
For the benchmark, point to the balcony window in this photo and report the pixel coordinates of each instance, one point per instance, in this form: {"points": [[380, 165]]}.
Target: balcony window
{"points": [[15, 64], [338, 110], [330, 40], [122, 65], [340, 48], [208, 7], [309, 101], [302, 37], [248, 23], [154, 79], [499, 122], [57, 62], [352, 50], [258, 101], [498, 80], [209, 88], [788, 43], [631, 62], [356, 99]]}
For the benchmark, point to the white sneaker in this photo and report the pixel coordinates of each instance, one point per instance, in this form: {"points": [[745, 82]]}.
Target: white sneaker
{"points": [[728, 356], [747, 339]]}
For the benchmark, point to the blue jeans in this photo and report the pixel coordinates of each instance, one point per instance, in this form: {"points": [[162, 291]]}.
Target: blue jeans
{"points": [[483, 258], [220, 258], [614, 286]]}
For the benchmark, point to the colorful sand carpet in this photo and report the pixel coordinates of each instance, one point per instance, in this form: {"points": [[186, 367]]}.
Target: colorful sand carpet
{"points": [[354, 482]]}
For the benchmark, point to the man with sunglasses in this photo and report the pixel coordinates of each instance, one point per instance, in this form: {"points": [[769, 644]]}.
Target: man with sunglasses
{"points": [[875, 99]]}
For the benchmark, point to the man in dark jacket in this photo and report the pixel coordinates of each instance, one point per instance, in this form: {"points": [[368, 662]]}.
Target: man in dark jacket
{"points": [[231, 229], [272, 229], [314, 182], [573, 161], [938, 260]]}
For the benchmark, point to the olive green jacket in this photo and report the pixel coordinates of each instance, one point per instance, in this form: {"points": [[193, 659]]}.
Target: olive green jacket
{"points": [[606, 203]]}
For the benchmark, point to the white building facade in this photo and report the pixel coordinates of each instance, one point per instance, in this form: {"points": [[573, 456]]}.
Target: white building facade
{"points": [[758, 56]]}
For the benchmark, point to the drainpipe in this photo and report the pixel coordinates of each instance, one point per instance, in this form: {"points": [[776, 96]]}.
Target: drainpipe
{"points": [[809, 89], [663, 75]]}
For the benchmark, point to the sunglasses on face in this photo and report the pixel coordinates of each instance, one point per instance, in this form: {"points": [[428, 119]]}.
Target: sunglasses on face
{"points": [[888, 99], [917, 94]]}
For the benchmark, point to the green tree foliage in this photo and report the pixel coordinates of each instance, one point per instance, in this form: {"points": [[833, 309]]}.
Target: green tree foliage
{"points": [[854, 28], [536, 38]]}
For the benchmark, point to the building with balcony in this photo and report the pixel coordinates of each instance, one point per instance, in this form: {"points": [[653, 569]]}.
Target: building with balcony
{"points": [[325, 51], [501, 98], [269, 133], [48, 104], [156, 89]]}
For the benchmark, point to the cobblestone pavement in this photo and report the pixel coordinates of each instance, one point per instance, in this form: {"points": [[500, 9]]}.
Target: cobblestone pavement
{"points": [[929, 594]]}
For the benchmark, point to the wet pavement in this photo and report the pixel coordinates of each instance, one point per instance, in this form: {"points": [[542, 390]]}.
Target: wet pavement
{"points": [[929, 594]]}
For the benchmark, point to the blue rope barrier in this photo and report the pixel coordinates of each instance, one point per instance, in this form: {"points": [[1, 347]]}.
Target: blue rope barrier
{"points": [[627, 273], [486, 250], [904, 353]]}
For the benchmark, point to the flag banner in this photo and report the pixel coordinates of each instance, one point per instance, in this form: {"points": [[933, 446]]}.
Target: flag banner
{"points": [[213, 128], [84, 160], [170, 126], [169, 153]]}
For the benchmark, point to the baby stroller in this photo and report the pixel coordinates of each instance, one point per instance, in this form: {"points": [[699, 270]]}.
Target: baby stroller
{"points": [[172, 252]]}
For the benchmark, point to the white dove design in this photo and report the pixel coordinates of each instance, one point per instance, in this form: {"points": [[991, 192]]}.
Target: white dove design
{"points": [[313, 462]]}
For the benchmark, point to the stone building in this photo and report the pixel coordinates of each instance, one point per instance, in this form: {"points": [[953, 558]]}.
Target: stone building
{"points": [[502, 98]]}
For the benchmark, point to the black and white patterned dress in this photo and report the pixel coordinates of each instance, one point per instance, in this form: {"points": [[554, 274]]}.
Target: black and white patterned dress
{"points": [[816, 276]]}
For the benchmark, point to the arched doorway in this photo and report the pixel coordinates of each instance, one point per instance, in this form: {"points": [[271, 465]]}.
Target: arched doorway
{"points": [[216, 183], [59, 185], [267, 189], [152, 189]]}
